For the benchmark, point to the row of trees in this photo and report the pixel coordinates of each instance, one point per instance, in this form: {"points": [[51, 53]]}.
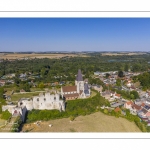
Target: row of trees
{"points": [[48, 68]]}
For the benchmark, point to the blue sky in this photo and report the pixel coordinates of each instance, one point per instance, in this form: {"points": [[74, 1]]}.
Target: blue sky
{"points": [[74, 34]]}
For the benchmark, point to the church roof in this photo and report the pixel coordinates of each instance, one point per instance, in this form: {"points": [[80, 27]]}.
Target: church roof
{"points": [[69, 88], [86, 86], [71, 95], [79, 76]]}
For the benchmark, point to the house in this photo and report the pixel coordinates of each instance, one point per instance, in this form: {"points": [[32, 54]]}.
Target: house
{"points": [[97, 87], [128, 105], [97, 73], [147, 94], [135, 109], [106, 94], [2, 82], [129, 84], [22, 91], [132, 88], [116, 104], [117, 96], [23, 75]]}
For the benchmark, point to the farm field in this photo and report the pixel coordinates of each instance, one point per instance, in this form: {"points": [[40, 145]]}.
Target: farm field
{"points": [[33, 55], [97, 122], [119, 54]]}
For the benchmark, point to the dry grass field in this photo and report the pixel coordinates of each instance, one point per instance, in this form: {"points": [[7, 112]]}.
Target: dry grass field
{"points": [[31, 56], [119, 54], [97, 122]]}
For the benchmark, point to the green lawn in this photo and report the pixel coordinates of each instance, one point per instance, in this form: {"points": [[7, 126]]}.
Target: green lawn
{"points": [[2, 122], [93, 93], [36, 89], [16, 97]]}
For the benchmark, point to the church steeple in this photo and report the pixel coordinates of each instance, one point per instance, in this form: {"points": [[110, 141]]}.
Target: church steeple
{"points": [[79, 76]]}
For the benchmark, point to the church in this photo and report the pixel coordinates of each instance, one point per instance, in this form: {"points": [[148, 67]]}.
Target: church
{"points": [[79, 90]]}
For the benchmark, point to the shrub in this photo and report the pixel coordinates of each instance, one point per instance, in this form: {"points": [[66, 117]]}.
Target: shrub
{"points": [[6, 115]]}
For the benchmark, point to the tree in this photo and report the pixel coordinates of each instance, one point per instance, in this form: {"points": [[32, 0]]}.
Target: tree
{"points": [[120, 74], [6, 115], [41, 85], [106, 111], [107, 75], [118, 82], [126, 68], [132, 96]]}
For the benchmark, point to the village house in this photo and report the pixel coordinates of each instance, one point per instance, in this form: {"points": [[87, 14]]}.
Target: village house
{"points": [[135, 109], [97, 73], [2, 82], [128, 105], [117, 96], [22, 91], [98, 88], [106, 94]]}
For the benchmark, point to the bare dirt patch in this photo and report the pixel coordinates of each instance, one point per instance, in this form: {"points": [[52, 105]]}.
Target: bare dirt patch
{"points": [[97, 122]]}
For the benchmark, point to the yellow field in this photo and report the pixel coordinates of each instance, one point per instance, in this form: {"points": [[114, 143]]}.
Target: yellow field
{"points": [[97, 122], [31, 56]]}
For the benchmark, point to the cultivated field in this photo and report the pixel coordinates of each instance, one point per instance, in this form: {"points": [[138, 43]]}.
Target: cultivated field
{"points": [[97, 122], [34, 55], [119, 54]]}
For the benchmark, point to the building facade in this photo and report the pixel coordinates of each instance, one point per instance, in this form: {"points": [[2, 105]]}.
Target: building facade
{"points": [[79, 90]]}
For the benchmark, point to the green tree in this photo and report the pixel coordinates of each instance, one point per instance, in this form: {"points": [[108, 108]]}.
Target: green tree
{"points": [[126, 68], [120, 74], [6, 115], [41, 85]]}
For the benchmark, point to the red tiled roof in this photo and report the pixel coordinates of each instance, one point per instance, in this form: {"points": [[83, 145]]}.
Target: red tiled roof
{"points": [[69, 88], [143, 104], [129, 103], [117, 95], [136, 107], [117, 109], [148, 114], [71, 95]]}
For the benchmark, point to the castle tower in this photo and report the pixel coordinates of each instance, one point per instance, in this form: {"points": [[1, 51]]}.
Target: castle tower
{"points": [[79, 82]]}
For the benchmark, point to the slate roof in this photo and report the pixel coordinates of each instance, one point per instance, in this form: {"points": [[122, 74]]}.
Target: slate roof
{"points": [[79, 76], [86, 91], [86, 86]]}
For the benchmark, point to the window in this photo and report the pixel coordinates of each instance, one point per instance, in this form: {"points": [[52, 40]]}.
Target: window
{"points": [[37, 99], [44, 99]]}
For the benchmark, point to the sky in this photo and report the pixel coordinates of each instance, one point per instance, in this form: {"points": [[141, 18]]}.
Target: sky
{"points": [[74, 34]]}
